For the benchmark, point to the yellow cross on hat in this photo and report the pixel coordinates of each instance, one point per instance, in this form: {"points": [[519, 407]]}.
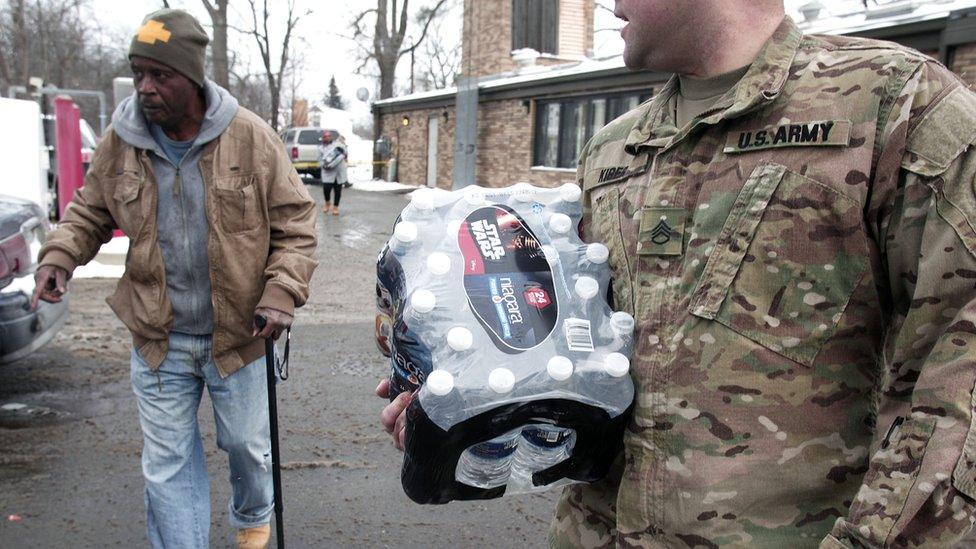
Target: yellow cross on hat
{"points": [[153, 30]]}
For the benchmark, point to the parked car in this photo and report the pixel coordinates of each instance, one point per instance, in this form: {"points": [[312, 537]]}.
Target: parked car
{"points": [[23, 228], [302, 146]]}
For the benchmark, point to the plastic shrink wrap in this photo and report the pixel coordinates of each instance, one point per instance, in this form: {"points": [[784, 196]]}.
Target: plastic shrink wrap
{"points": [[495, 311]]}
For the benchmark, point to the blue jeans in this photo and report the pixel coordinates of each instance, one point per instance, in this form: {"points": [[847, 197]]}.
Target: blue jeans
{"points": [[177, 489]]}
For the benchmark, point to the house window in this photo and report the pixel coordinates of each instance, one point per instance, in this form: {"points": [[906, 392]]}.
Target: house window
{"points": [[535, 24], [563, 126]]}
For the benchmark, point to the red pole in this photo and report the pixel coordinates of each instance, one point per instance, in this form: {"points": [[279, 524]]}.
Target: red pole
{"points": [[67, 150]]}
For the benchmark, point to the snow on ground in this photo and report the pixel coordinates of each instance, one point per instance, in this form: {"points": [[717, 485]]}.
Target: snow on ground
{"points": [[110, 261], [377, 185]]}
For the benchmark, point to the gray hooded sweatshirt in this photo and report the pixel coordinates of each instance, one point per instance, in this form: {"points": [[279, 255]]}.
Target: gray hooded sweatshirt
{"points": [[183, 229]]}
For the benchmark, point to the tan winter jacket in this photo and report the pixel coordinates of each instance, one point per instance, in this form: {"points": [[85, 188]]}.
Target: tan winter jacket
{"points": [[261, 239]]}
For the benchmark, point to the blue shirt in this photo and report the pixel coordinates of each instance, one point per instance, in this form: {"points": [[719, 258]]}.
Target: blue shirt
{"points": [[174, 150]]}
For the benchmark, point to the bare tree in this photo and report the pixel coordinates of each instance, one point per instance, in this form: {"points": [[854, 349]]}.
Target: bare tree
{"points": [[250, 88], [218, 48], [262, 36], [61, 42], [383, 45], [440, 61]]}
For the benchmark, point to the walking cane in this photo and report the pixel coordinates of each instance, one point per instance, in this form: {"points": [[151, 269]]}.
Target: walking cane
{"points": [[269, 359]]}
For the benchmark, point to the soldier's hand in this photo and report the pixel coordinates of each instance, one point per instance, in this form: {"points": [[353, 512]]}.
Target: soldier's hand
{"points": [[50, 284], [394, 415], [277, 322]]}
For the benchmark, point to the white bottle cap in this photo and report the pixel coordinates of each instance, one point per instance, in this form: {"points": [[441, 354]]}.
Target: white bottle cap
{"points": [[570, 192], [560, 368], [423, 301], [597, 253], [459, 339], [560, 223], [616, 364], [423, 200], [501, 380], [523, 192], [439, 263], [405, 232], [587, 287], [622, 323], [440, 382]]}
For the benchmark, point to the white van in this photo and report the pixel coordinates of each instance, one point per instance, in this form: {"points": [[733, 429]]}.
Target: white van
{"points": [[302, 146]]}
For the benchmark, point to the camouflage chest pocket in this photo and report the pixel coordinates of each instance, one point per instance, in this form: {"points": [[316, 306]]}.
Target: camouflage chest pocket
{"points": [[785, 264], [613, 222], [129, 211], [238, 204]]}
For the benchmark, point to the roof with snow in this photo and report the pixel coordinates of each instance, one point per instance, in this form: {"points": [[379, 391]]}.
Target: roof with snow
{"points": [[927, 25]]}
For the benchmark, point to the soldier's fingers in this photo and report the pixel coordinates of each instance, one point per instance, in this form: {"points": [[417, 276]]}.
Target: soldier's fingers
{"points": [[390, 413], [383, 389], [399, 432]]}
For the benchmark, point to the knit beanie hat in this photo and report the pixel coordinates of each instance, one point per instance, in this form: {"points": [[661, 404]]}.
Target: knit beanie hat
{"points": [[173, 38]]}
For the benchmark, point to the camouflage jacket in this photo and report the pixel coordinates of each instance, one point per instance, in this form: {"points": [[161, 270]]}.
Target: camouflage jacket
{"points": [[801, 261]]}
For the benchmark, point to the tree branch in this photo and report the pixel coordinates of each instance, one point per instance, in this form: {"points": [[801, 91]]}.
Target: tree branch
{"points": [[423, 34]]}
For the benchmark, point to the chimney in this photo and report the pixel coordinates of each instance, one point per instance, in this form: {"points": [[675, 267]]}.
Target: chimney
{"points": [[811, 10]]}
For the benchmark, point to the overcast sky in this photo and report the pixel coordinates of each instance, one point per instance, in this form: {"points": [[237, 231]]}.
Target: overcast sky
{"points": [[322, 34]]}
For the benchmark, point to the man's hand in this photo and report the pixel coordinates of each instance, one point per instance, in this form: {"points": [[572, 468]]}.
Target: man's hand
{"points": [[394, 415], [50, 284], [278, 322]]}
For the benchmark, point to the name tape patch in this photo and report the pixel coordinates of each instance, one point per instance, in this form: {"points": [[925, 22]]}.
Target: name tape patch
{"points": [[829, 133]]}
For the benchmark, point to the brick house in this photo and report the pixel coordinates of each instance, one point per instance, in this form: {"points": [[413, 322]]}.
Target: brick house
{"points": [[535, 112]]}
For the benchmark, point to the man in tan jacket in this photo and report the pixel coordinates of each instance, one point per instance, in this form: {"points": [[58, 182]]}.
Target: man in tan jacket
{"points": [[221, 230]]}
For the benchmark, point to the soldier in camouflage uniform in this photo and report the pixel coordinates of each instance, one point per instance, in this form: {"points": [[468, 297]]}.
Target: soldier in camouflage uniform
{"points": [[801, 262]]}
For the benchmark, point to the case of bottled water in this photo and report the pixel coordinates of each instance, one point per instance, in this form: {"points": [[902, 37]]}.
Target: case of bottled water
{"points": [[495, 312]]}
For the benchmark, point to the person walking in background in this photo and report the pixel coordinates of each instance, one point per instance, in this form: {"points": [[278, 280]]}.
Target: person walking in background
{"points": [[221, 230], [332, 162]]}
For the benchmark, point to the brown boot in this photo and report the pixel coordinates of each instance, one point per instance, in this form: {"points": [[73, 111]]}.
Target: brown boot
{"points": [[254, 538], [335, 210]]}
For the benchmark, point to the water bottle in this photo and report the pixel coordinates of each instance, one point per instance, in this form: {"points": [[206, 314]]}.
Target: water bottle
{"points": [[390, 281], [596, 256], [411, 360], [404, 237], [542, 446], [622, 328], [459, 339], [489, 464], [569, 192], [616, 365]]}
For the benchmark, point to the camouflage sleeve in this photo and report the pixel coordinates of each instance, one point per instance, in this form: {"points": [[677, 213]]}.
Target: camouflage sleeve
{"points": [[920, 485]]}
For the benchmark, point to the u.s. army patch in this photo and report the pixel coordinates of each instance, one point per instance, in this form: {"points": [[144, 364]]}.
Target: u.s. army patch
{"points": [[661, 231], [829, 133]]}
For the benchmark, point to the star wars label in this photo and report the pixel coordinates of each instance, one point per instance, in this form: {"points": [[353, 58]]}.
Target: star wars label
{"points": [[507, 279]]}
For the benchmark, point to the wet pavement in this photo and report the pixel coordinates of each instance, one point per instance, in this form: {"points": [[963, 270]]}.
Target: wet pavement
{"points": [[70, 440]]}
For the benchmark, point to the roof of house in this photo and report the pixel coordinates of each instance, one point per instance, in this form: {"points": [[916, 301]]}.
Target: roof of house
{"points": [[922, 24]]}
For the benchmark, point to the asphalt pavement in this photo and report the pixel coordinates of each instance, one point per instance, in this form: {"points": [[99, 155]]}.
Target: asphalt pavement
{"points": [[70, 442]]}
